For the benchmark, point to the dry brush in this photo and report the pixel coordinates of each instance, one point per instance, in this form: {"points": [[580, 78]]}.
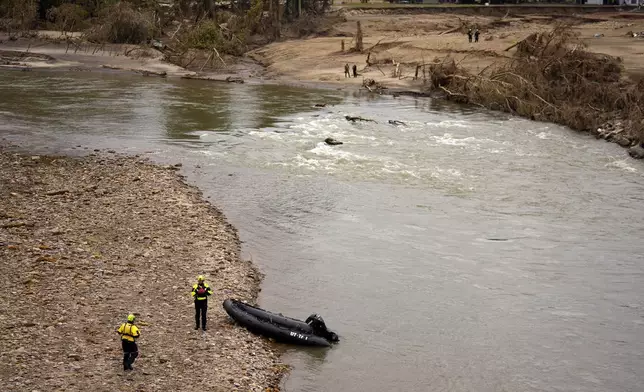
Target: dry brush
{"points": [[552, 77]]}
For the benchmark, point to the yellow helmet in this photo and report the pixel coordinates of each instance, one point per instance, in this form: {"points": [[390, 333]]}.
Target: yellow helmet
{"points": [[130, 317], [200, 278]]}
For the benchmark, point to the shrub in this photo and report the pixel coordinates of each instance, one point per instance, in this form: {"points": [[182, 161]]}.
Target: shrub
{"points": [[208, 35], [122, 24], [67, 17]]}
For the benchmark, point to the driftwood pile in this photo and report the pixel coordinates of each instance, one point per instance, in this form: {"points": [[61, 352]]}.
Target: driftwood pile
{"points": [[552, 77]]}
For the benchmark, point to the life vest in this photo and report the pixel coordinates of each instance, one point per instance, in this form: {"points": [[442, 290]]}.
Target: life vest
{"points": [[129, 332]]}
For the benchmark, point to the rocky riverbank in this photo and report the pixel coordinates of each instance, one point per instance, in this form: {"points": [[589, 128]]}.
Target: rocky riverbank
{"points": [[85, 241]]}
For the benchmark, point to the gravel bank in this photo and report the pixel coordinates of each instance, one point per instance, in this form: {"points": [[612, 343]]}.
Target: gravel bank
{"points": [[84, 241]]}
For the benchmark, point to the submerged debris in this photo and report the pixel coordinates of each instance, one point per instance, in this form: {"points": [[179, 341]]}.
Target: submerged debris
{"points": [[373, 86], [357, 118], [332, 142]]}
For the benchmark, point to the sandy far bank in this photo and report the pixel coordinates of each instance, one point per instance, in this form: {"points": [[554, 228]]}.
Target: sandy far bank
{"points": [[408, 39], [85, 241], [411, 39]]}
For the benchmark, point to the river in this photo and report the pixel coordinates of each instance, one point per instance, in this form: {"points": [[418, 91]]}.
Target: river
{"points": [[462, 251]]}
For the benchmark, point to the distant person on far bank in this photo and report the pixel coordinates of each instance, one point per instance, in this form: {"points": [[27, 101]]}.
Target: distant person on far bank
{"points": [[129, 333], [476, 35], [200, 293], [355, 71], [469, 34], [347, 72]]}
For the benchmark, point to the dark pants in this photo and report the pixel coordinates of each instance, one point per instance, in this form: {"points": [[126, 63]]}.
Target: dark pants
{"points": [[130, 352], [201, 307]]}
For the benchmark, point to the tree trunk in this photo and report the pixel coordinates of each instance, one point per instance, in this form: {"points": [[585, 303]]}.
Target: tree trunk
{"points": [[277, 23], [359, 46]]}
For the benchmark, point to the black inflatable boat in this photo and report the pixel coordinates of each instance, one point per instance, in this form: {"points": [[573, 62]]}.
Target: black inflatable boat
{"points": [[312, 332]]}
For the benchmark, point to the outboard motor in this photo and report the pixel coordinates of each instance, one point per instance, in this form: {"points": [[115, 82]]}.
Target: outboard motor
{"points": [[319, 328]]}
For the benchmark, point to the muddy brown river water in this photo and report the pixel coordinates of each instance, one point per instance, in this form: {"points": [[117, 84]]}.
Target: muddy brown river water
{"points": [[462, 251]]}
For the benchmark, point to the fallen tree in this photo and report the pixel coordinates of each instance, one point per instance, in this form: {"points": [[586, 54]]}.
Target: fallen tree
{"points": [[552, 77]]}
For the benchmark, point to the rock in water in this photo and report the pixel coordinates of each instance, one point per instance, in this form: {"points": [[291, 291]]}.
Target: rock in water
{"points": [[332, 142], [636, 152]]}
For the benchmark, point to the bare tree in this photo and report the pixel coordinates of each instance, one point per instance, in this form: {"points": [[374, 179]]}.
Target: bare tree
{"points": [[359, 46]]}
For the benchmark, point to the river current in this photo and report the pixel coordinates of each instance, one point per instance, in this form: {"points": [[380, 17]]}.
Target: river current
{"points": [[460, 251]]}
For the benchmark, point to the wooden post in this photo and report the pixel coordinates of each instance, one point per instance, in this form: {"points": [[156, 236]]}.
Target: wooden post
{"points": [[359, 46], [343, 45], [417, 70]]}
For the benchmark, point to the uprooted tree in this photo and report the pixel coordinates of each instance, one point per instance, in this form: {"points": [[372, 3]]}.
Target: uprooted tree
{"points": [[552, 77]]}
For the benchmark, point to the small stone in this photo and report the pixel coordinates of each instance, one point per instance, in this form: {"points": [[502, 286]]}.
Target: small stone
{"points": [[75, 357], [111, 151], [57, 192], [35, 158]]}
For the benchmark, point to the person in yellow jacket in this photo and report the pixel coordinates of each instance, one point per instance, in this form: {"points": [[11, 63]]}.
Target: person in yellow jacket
{"points": [[129, 332], [200, 293]]}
